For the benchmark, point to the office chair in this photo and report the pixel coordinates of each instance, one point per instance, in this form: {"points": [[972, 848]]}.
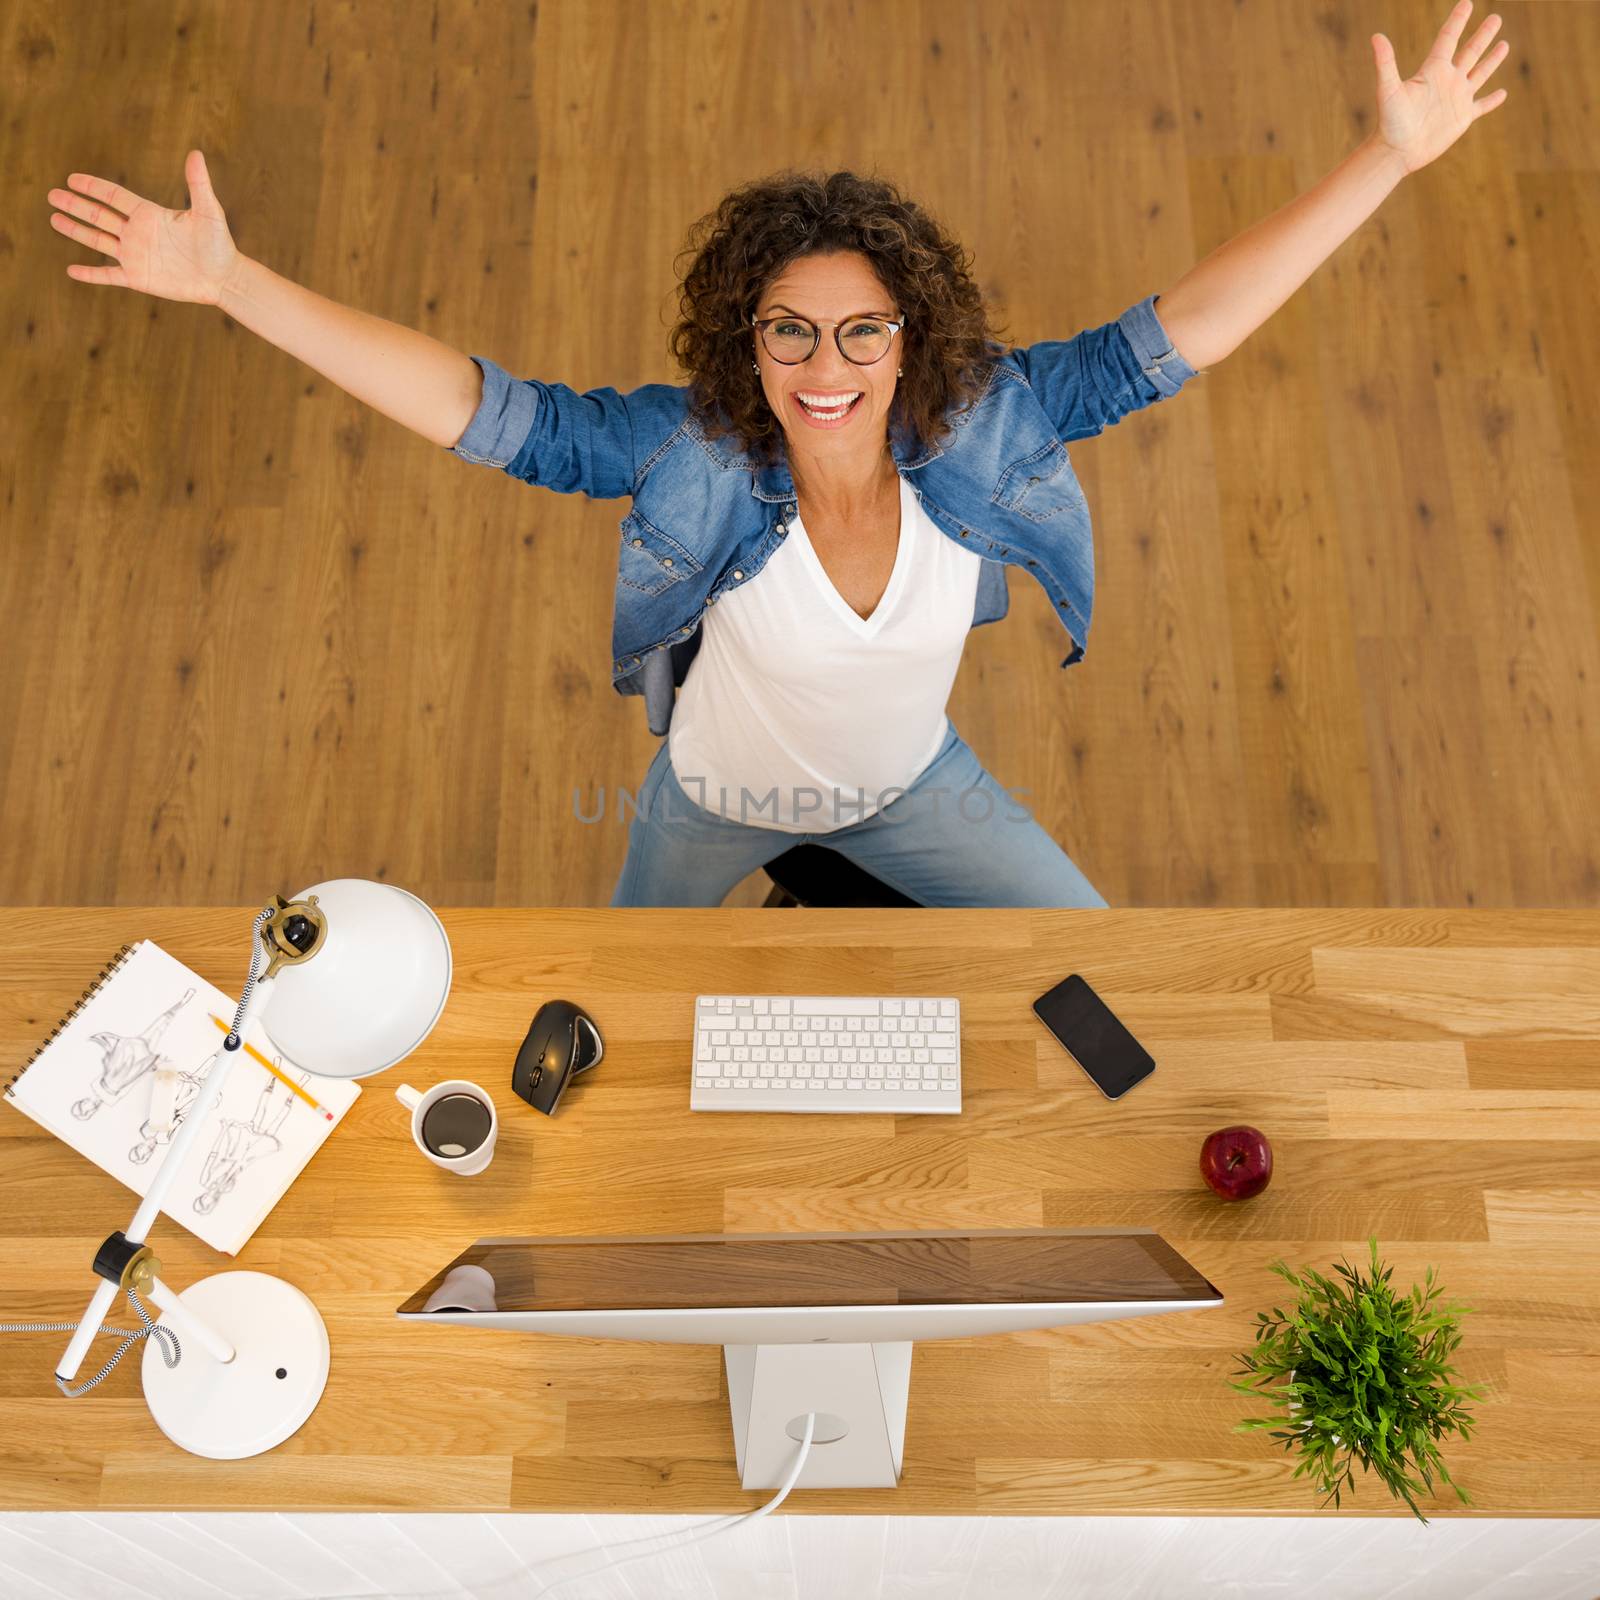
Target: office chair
{"points": [[813, 875]]}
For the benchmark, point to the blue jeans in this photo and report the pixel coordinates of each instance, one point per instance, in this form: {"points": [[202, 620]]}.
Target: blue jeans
{"points": [[954, 838]]}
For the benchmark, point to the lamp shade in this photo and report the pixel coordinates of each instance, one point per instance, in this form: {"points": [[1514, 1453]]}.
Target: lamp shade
{"points": [[374, 989]]}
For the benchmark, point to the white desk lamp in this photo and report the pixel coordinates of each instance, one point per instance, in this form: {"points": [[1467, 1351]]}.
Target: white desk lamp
{"points": [[355, 979]]}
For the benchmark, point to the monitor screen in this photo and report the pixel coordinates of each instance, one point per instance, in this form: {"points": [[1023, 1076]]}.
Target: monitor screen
{"points": [[1005, 1267]]}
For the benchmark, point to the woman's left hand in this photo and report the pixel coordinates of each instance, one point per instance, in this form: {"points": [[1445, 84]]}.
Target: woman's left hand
{"points": [[1421, 118]]}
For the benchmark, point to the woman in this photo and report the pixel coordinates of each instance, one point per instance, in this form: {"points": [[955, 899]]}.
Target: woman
{"points": [[818, 518]]}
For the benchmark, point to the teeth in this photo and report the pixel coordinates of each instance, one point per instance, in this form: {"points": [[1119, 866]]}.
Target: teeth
{"points": [[830, 411]]}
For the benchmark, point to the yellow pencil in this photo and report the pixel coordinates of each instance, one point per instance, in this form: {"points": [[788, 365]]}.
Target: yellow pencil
{"points": [[315, 1106]]}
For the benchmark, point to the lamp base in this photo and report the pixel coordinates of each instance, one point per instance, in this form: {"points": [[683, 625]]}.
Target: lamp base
{"points": [[273, 1383]]}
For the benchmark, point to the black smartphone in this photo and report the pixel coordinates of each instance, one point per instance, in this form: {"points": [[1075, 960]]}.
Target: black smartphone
{"points": [[1090, 1032]]}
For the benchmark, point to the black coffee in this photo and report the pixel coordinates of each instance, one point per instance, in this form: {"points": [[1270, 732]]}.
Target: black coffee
{"points": [[455, 1125]]}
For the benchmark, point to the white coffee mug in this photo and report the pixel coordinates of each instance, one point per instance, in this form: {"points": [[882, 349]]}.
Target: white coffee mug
{"points": [[420, 1104]]}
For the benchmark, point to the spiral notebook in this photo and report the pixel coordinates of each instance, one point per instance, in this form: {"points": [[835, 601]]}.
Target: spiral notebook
{"points": [[147, 1017]]}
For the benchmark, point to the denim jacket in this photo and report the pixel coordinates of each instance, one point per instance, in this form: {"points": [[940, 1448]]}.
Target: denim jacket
{"points": [[705, 518]]}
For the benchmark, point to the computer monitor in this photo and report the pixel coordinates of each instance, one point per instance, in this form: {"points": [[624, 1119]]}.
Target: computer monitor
{"points": [[814, 1322]]}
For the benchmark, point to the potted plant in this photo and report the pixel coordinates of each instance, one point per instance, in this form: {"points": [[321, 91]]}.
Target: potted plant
{"points": [[1367, 1372]]}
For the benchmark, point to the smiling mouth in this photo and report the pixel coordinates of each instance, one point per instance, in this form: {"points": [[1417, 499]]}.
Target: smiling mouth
{"points": [[829, 413]]}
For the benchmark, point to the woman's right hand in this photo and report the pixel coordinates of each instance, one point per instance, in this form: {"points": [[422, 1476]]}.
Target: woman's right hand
{"points": [[174, 255]]}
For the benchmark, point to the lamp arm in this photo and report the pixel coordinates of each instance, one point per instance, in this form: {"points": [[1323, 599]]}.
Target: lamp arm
{"points": [[150, 1207], [188, 1327]]}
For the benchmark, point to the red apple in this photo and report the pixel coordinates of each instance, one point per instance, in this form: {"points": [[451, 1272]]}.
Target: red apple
{"points": [[1236, 1162]]}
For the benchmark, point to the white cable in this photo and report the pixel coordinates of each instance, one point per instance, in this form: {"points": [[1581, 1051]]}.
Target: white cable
{"points": [[701, 1531], [711, 1524], [761, 1511]]}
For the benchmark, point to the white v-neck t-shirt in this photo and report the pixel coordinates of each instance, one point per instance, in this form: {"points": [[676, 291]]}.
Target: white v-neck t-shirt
{"points": [[798, 713]]}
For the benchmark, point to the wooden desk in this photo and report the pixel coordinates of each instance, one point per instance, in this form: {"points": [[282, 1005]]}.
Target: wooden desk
{"points": [[1430, 1076]]}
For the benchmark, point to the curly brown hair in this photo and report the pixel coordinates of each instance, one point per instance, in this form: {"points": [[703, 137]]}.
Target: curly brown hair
{"points": [[758, 229]]}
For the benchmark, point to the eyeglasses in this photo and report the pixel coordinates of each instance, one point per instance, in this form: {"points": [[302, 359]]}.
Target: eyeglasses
{"points": [[861, 340]]}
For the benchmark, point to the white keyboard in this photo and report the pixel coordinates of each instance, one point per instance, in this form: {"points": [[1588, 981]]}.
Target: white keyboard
{"points": [[826, 1052]]}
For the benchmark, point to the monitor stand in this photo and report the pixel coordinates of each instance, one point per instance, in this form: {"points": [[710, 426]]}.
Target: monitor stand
{"points": [[859, 1393]]}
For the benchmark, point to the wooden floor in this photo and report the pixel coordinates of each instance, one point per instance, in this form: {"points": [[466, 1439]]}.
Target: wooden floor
{"points": [[1431, 1077], [257, 635]]}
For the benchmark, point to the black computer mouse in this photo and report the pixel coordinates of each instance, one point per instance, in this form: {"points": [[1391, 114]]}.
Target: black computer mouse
{"points": [[562, 1042]]}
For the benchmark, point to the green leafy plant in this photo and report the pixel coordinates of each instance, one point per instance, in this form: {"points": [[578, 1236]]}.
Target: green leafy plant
{"points": [[1363, 1378]]}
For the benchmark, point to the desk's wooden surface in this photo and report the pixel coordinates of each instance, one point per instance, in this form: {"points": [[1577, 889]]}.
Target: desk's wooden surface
{"points": [[1430, 1076]]}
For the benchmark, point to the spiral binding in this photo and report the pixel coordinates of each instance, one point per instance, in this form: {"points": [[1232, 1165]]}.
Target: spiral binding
{"points": [[88, 994]]}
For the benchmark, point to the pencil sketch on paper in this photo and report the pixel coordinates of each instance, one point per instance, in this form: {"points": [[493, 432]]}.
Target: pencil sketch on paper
{"points": [[236, 1145], [240, 1144], [151, 1136], [125, 1059]]}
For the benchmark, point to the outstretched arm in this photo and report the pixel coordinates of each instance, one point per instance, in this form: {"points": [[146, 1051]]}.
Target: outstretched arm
{"points": [[190, 256], [1218, 304]]}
